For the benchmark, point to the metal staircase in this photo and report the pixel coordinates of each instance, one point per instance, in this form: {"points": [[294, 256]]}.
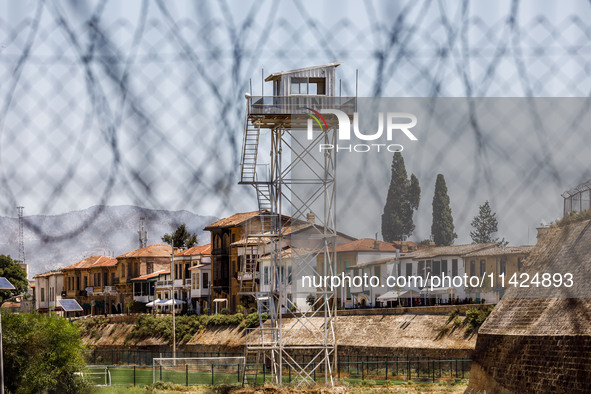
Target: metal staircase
{"points": [[250, 149]]}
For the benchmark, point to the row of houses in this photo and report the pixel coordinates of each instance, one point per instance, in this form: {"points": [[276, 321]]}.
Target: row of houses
{"points": [[108, 285], [221, 273]]}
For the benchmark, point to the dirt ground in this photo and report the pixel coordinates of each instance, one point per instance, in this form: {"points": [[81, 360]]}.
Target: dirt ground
{"points": [[405, 388]]}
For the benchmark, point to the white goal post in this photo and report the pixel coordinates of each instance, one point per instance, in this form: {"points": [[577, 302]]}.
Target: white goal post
{"points": [[99, 375], [196, 364]]}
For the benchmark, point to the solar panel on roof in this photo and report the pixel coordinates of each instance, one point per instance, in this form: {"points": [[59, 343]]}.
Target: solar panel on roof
{"points": [[70, 305], [5, 284]]}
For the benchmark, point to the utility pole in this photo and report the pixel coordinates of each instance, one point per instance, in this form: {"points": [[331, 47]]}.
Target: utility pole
{"points": [[4, 285], [172, 271], [21, 234], [142, 233]]}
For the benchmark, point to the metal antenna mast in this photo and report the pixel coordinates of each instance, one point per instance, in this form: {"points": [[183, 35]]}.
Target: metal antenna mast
{"points": [[142, 233], [300, 182], [21, 235]]}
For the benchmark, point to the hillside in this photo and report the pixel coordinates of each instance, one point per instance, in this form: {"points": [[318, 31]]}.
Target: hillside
{"points": [[405, 334], [53, 241]]}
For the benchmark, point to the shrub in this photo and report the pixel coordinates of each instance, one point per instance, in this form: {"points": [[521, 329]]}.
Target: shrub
{"points": [[42, 353], [252, 320], [225, 311], [186, 326], [455, 312], [310, 300], [475, 317], [573, 217]]}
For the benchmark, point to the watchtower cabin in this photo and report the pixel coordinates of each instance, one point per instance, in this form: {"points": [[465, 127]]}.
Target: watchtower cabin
{"points": [[295, 92], [309, 81]]}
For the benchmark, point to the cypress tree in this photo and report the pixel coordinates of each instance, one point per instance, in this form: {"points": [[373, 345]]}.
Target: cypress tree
{"points": [[403, 198], [414, 192], [442, 228]]}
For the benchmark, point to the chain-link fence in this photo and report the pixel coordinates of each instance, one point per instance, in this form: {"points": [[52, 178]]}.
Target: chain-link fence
{"points": [[142, 102]]}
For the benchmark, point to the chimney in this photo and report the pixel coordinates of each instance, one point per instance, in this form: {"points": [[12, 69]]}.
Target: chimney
{"points": [[376, 245], [310, 217], [404, 246], [542, 232]]}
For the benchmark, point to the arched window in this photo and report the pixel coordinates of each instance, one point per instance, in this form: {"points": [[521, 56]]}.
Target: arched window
{"points": [[217, 242], [225, 241]]}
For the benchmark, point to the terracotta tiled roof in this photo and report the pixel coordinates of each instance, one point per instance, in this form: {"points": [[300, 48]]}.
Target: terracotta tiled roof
{"points": [[368, 245], [152, 275], [303, 226], [199, 266], [500, 251], [157, 250], [47, 274], [196, 250], [234, 220], [93, 262], [376, 262], [453, 250], [287, 253]]}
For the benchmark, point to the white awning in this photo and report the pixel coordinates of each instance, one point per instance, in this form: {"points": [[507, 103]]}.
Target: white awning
{"points": [[176, 302], [439, 290], [410, 293], [151, 303], [392, 295], [220, 300]]}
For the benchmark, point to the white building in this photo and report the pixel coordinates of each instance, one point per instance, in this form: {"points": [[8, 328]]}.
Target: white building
{"points": [[200, 276], [435, 261], [49, 288]]}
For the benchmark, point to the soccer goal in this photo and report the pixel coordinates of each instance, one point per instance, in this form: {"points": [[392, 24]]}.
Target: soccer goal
{"points": [[98, 375], [198, 370]]}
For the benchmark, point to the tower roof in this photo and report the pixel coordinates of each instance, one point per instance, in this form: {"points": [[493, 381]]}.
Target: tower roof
{"points": [[278, 75]]}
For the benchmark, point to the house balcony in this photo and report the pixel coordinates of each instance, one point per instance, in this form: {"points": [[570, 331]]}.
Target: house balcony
{"points": [[143, 298], [245, 276], [164, 283], [198, 293], [109, 289]]}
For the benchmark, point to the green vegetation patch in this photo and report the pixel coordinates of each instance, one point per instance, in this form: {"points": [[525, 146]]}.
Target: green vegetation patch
{"points": [[573, 217], [42, 353]]}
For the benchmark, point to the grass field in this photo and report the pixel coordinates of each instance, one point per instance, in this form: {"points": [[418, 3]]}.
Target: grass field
{"points": [[141, 376], [126, 376]]}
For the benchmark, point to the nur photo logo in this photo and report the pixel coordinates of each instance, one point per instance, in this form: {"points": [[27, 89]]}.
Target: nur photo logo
{"points": [[395, 122]]}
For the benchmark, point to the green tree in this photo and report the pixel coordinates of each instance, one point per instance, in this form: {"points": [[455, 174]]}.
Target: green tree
{"points": [[442, 228], [180, 238], [485, 225], [402, 200], [10, 270], [42, 353], [414, 192]]}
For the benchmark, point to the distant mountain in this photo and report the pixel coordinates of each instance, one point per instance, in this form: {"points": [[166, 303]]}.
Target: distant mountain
{"points": [[97, 230]]}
